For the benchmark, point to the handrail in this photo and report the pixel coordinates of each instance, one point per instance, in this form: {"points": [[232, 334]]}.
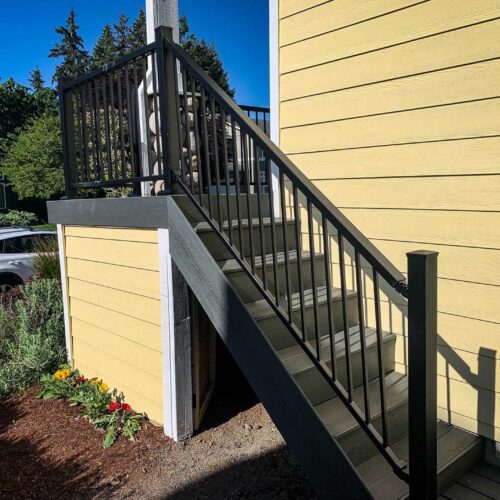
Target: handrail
{"points": [[367, 249]]}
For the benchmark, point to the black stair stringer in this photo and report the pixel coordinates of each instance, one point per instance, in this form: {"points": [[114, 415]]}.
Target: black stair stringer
{"points": [[320, 456]]}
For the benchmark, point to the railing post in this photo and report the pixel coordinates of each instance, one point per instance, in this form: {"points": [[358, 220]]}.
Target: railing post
{"points": [[422, 377], [67, 137], [169, 128]]}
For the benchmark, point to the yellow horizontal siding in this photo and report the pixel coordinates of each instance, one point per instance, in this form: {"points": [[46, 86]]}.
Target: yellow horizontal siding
{"points": [[123, 253], [138, 281], [458, 121], [290, 7], [114, 306], [395, 119], [335, 15], [136, 330], [419, 21], [449, 49], [447, 158], [467, 83]]}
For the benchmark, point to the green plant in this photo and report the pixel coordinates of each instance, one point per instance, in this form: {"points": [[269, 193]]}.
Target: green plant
{"points": [[105, 409], [46, 259], [119, 420], [32, 338], [17, 218]]}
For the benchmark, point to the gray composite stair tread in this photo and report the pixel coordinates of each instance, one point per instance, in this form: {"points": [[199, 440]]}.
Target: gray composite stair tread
{"points": [[459, 492], [384, 484], [204, 227], [488, 471], [480, 484], [232, 266], [296, 360], [260, 309], [339, 420]]}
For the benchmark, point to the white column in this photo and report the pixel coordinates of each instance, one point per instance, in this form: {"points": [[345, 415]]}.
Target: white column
{"points": [[64, 286]]}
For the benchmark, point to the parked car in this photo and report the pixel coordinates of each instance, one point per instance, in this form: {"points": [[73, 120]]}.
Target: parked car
{"points": [[17, 249]]}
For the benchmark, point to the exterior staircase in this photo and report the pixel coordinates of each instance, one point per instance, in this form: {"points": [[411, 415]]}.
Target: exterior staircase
{"points": [[293, 288], [458, 451]]}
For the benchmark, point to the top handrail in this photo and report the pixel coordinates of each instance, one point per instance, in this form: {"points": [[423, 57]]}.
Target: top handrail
{"points": [[365, 247], [66, 85]]}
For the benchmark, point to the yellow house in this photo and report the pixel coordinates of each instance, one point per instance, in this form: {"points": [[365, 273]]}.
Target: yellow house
{"points": [[392, 109], [314, 258]]}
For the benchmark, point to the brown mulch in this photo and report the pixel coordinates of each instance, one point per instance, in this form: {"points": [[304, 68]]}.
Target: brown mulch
{"points": [[48, 451]]}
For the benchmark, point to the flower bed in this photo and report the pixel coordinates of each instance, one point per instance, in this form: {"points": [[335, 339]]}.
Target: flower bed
{"points": [[106, 410]]}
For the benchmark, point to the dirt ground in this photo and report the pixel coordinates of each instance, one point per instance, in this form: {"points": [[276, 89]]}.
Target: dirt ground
{"points": [[47, 451]]}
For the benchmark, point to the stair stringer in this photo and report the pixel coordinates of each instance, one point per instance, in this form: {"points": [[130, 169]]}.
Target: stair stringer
{"points": [[321, 457]]}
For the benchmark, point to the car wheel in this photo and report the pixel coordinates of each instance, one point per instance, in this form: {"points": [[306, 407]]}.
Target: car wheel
{"points": [[7, 284]]}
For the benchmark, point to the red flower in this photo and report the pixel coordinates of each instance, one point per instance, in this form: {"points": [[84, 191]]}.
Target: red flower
{"points": [[82, 380], [113, 407], [126, 408]]}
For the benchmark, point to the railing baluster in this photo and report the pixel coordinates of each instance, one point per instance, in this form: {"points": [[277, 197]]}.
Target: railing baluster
{"points": [[121, 125], [216, 160], [131, 131], [246, 168], [362, 337], [84, 133], [298, 252], [105, 116], [145, 97], [226, 175], [273, 236], [97, 118], [237, 187], [261, 221], [197, 139], [157, 138], [188, 128], [328, 285], [345, 319], [113, 125], [314, 289], [206, 149], [380, 358], [285, 245], [141, 167]]}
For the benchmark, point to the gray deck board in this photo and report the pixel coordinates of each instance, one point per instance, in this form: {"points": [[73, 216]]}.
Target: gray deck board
{"points": [[488, 471], [481, 484], [459, 492]]}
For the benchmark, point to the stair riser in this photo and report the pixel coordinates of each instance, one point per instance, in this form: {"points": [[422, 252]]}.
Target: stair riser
{"points": [[193, 215], [220, 252], [279, 336], [359, 447], [249, 293], [318, 390]]}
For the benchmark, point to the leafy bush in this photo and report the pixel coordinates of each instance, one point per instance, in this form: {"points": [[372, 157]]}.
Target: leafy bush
{"points": [[106, 410], [31, 334], [18, 218], [46, 260]]}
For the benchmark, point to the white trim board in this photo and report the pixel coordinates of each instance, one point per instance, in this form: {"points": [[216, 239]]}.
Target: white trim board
{"points": [[64, 287], [176, 354]]}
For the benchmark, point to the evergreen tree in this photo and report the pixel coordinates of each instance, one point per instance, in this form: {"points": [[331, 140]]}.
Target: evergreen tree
{"points": [[205, 54], [104, 50], [137, 34], [36, 80], [121, 35], [71, 49]]}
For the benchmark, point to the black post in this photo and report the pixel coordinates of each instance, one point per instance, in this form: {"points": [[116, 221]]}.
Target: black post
{"points": [[169, 127], [68, 137], [422, 379]]}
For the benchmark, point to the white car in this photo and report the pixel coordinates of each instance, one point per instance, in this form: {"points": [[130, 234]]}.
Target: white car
{"points": [[17, 249]]}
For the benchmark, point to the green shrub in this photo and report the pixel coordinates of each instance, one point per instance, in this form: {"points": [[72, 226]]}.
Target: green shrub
{"points": [[46, 259], [31, 334], [18, 218]]}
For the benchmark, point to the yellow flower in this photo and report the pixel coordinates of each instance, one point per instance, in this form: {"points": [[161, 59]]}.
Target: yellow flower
{"points": [[62, 374], [96, 381], [103, 387]]}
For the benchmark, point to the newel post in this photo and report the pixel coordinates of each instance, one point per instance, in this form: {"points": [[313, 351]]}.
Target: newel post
{"points": [[167, 88], [67, 136], [422, 374]]}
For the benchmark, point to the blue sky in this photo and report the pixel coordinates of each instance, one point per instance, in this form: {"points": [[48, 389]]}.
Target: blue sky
{"points": [[238, 28]]}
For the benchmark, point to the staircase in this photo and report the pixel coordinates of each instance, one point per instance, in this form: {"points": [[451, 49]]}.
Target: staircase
{"points": [[297, 293], [458, 451]]}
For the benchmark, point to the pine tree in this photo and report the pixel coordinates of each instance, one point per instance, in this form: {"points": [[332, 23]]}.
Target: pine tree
{"points": [[36, 80], [71, 49], [104, 50], [205, 54], [121, 35], [137, 34]]}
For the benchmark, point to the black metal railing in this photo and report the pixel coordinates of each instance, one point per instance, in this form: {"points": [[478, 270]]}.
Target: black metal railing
{"points": [[325, 281]]}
